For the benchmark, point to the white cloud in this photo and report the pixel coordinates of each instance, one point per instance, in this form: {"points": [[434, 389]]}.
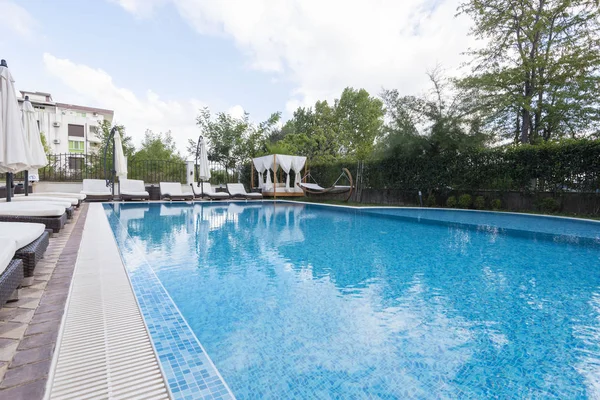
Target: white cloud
{"points": [[325, 45], [95, 87], [15, 19], [140, 8], [236, 111]]}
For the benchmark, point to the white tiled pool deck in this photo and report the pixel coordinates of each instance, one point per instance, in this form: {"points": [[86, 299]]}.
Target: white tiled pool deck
{"points": [[122, 336]]}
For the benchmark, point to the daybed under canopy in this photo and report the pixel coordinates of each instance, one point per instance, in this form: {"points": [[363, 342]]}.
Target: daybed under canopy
{"points": [[283, 163]]}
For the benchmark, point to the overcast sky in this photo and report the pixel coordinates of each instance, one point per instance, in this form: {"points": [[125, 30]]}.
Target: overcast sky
{"points": [[156, 62]]}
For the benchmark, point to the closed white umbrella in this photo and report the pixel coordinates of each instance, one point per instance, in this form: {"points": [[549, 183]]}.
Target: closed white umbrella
{"points": [[14, 156], [32, 133], [120, 160], [13, 149], [203, 167], [202, 160]]}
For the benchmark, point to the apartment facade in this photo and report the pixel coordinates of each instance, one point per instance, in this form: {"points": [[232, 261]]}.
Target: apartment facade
{"points": [[68, 128]]}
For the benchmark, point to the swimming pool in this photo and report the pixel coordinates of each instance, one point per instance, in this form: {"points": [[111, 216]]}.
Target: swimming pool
{"points": [[308, 301]]}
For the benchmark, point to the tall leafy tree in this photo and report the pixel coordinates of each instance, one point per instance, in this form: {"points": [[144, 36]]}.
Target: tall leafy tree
{"points": [[442, 121], [158, 147], [360, 119], [233, 141], [348, 128], [104, 128], [537, 74]]}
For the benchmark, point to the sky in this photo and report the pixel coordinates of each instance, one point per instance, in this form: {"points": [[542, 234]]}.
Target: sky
{"points": [[157, 62]]}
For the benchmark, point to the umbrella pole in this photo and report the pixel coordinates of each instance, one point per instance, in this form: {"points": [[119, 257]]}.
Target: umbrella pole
{"points": [[113, 168], [26, 183], [8, 187]]}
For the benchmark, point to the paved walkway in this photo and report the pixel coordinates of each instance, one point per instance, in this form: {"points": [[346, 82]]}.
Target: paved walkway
{"points": [[29, 327]]}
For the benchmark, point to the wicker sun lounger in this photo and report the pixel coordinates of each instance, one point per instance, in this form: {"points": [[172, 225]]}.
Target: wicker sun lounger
{"points": [[96, 189], [33, 252], [11, 274], [31, 241], [172, 191], [206, 190], [52, 216], [133, 189], [237, 190], [10, 280]]}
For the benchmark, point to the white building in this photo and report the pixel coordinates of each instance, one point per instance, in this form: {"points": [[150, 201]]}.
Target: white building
{"points": [[68, 128]]}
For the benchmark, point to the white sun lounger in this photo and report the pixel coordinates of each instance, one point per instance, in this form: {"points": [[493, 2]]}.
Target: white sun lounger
{"points": [[172, 191], [11, 270], [96, 189], [78, 196], [73, 201], [206, 190], [31, 240], [130, 189], [69, 208], [51, 215], [238, 190]]}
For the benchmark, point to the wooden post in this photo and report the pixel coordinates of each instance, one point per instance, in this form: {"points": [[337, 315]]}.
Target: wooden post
{"points": [[252, 175], [274, 177]]}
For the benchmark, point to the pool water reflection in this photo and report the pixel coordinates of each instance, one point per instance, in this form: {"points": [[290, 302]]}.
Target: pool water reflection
{"points": [[306, 301]]}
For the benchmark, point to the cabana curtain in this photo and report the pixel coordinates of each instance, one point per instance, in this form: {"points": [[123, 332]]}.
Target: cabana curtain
{"points": [[287, 164]]}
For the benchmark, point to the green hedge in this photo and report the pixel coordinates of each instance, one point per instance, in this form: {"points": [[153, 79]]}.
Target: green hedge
{"points": [[572, 165]]}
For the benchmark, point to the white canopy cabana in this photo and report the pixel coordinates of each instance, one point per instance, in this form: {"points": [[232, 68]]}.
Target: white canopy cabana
{"points": [[272, 163]]}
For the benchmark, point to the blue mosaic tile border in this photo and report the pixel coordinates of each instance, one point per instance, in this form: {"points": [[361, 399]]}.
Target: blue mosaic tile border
{"points": [[189, 371]]}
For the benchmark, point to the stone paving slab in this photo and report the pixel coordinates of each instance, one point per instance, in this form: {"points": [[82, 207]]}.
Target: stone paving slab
{"points": [[29, 327]]}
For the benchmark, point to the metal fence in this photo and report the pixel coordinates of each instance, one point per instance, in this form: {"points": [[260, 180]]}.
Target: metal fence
{"points": [[71, 167], [75, 167]]}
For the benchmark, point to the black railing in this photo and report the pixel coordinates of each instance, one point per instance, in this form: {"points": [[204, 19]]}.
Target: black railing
{"points": [[73, 167]]}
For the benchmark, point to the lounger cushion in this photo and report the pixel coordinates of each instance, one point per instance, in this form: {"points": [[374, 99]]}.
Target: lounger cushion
{"points": [[32, 209], [103, 194], [238, 189], [78, 196], [173, 189], [140, 194], [132, 187], [71, 201], [7, 252], [95, 187], [207, 189], [22, 233]]}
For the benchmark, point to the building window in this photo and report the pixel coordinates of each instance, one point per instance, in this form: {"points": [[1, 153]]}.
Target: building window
{"points": [[76, 146], [76, 163], [76, 130]]}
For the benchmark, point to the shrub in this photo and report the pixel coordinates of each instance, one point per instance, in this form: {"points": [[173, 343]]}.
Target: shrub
{"points": [[479, 203], [496, 204], [549, 205], [430, 202], [465, 201], [451, 202]]}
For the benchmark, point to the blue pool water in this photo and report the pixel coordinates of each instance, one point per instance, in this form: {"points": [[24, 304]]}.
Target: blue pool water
{"points": [[306, 301]]}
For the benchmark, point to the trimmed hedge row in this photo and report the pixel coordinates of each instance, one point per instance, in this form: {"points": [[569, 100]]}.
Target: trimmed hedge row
{"points": [[572, 165]]}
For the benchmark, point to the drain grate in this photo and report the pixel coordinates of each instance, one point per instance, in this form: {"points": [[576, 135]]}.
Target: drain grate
{"points": [[104, 350]]}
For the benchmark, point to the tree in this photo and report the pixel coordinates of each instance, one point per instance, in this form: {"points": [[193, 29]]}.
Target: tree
{"points": [[360, 119], [158, 146], [104, 128], [443, 121], [348, 128], [47, 149], [537, 76], [233, 141]]}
